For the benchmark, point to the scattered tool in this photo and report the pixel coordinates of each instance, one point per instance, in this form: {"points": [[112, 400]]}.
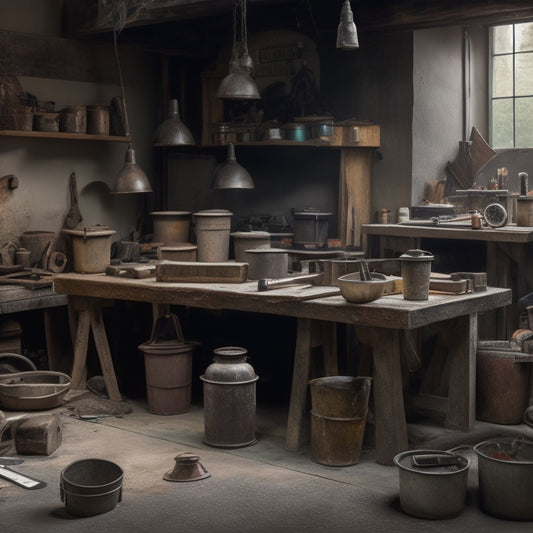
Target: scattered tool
{"points": [[131, 270], [21, 480], [270, 284], [429, 460]]}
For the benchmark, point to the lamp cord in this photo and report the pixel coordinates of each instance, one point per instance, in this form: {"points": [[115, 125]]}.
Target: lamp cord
{"points": [[121, 81]]}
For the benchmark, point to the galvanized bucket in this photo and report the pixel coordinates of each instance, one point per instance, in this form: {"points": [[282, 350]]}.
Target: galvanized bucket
{"points": [[338, 418]]}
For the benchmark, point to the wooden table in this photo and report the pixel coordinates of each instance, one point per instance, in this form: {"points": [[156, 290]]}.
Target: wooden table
{"points": [[377, 324], [509, 256]]}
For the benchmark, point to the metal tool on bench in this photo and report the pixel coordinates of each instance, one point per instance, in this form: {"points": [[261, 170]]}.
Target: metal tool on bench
{"points": [[270, 284], [21, 480]]}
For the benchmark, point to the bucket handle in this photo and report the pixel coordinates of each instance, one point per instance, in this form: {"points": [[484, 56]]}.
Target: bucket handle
{"points": [[175, 326]]}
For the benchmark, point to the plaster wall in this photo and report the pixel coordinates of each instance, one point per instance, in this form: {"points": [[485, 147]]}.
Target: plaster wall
{"points": [[43, 166]]}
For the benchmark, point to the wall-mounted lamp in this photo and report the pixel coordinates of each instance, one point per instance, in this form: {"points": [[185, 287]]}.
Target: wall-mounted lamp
{"points": [[239, 84], [231, 175], [131, 178], [347, 32], [173, 132]]}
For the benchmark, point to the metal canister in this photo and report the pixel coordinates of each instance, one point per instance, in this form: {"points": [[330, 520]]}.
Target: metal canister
{"points": [[229, 399], [98, 119]]}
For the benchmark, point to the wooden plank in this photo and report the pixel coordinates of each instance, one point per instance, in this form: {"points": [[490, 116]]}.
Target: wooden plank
{"points": [[354, 194], [197, 272], [64, 136]]}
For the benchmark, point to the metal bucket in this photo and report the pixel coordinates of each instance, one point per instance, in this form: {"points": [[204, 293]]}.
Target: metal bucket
{"points": [[213, 228], [267, 263], [505, 471], [502, 383], [168, 366], [91, 486], [248, 240], [338, 418], [229, 399], [91, 250], [171, 226], [432, 492]]}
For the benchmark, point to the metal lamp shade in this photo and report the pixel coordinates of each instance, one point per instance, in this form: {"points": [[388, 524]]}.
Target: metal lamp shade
{"points": [[347, 38], [173, 132], [131, 178], [231, 175], [238, 85]]}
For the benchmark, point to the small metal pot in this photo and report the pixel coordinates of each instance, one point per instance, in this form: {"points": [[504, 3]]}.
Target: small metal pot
{"points": [[267, 263], [434, 492], [505, 470]]}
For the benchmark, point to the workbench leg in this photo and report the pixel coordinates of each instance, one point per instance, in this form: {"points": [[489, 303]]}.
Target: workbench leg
{"points": [[300, 377], [104, 353], [389, 410], [462, 348], [80, 350]]}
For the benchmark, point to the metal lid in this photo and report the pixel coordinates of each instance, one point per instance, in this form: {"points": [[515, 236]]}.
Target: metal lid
{"points": [[170, 213], [250, 234], [213, 213], [267, 251], [417, 255]]}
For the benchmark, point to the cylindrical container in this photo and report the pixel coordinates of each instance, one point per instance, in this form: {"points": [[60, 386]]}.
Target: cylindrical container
{"points": [[23, 257], [322, 128], [212, 228], [36, 242], [267, 263], [434, 492], [48, 122], [184, 251], [524, 211], [403, 214], [505, 474], [311, 228], [171, 226], [73, 119], [502, 383], [295, 132], [338, 418], [91, 486], [98, 119], [416, 270], [168, 366], [91, 250], [229, 399], [248, 240]]}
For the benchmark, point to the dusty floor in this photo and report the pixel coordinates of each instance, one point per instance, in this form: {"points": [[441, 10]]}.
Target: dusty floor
{"points": [[260, 488]]}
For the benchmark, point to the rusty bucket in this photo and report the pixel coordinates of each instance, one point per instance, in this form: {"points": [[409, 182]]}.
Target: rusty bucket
{"points": [[338, 418]]}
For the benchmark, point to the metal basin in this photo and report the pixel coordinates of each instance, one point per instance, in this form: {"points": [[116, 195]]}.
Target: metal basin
{"points": [[355, 290]]}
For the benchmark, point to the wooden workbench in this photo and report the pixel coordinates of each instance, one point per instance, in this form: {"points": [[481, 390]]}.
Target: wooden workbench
{"points": [[509, 256], [377, 324]]}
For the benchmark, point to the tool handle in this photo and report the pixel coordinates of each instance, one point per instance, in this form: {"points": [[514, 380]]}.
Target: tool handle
{"points": [[267, 284]]}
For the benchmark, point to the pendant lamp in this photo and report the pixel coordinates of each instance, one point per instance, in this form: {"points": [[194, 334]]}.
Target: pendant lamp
{"points": [[131, 178], [239, 84], [231, 175], [347, 32], [173, 132]]}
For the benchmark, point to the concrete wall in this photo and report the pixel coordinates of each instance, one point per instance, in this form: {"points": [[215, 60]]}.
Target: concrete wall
{"points": [[43, 166]]}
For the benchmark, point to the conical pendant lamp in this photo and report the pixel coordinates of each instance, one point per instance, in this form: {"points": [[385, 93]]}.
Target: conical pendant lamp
{"points": [[173, 132], [231, 175], [131, 178], [347, 38], [239, 84]]}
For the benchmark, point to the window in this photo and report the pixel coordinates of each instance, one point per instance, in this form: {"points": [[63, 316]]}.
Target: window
{"points": [[511, 94]]}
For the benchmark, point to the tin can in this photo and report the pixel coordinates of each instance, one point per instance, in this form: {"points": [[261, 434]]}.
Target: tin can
{"points": [[98, 119]]}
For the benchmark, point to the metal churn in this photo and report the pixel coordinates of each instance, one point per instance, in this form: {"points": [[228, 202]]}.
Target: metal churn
{"points": [[229, 399]]}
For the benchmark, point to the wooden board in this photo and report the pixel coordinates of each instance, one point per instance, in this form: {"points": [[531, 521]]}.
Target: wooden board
{"points": [[198, 272]]}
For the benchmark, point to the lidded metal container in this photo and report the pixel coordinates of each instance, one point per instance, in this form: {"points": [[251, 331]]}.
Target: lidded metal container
{"points": [[229, 399], [171, 226], [213, 228]]}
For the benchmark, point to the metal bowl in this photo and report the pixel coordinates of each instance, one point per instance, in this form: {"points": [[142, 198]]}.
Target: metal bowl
{"points": [[359, 291]]}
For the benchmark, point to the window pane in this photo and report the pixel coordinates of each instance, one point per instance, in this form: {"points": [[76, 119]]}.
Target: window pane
{"points": [[502, 76], [524, 37], [502, 123], [502, 39], [524, 119], [524, 74]]}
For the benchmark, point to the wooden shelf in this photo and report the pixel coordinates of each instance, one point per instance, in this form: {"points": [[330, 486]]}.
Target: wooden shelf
{"points": [[62, 135]]}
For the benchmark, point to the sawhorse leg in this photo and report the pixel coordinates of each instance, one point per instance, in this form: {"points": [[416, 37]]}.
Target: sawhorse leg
{"points": [[307, 329]]}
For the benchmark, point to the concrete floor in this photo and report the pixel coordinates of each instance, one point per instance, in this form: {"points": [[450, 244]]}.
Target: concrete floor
{"points": [[260, 488]]}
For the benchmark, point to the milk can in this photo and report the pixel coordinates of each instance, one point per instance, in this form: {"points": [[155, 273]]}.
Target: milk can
{"points": [[229, 399], [416, 271]]}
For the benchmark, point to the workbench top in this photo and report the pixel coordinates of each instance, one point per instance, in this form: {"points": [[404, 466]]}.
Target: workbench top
{"points": [[303, 301], [14, 299]]}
